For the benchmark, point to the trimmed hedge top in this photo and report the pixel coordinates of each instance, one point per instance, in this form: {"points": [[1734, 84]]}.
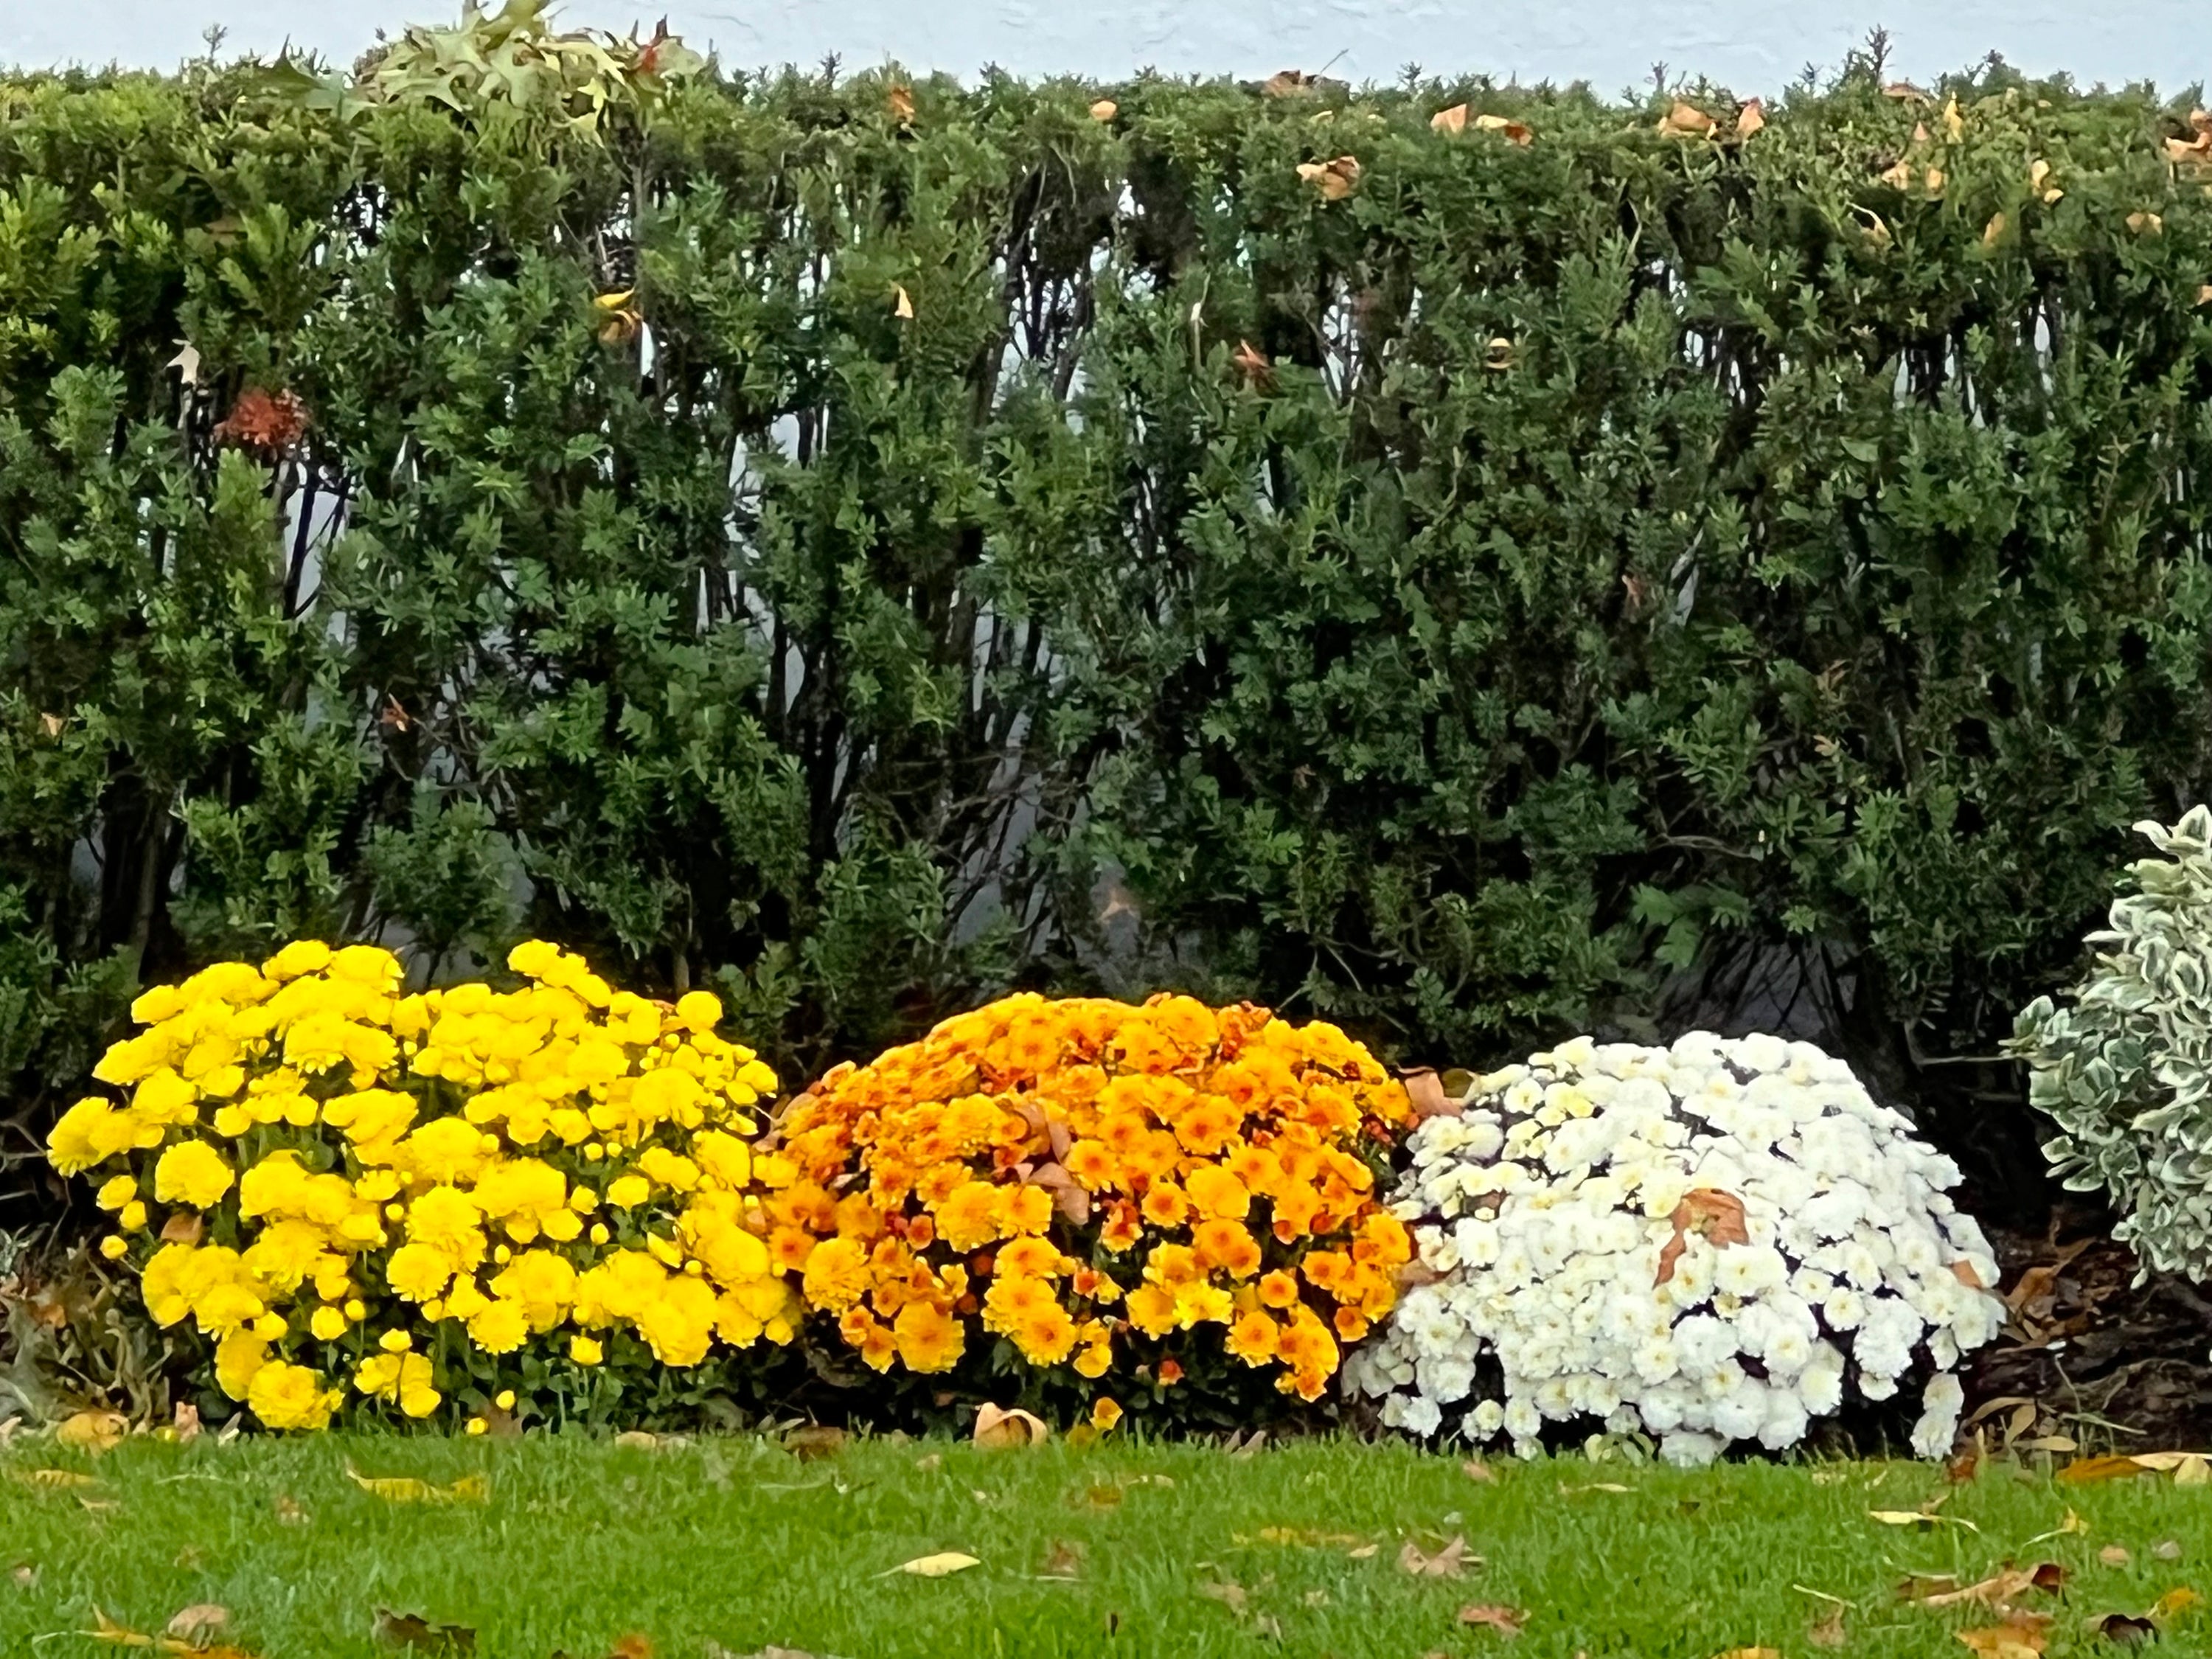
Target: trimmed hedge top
{"points": [[866, 545]]}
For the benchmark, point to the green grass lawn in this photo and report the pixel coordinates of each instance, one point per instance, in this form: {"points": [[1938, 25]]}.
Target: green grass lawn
{"points": [[1113, 1549]]}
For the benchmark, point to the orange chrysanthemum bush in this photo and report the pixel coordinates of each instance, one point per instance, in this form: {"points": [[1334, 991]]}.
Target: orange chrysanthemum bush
{"points": [[463, 1204], [1099, 1194]]}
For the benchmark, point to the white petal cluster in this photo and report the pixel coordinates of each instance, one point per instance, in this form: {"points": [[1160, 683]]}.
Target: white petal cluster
{"points": [[1543, 1212]]}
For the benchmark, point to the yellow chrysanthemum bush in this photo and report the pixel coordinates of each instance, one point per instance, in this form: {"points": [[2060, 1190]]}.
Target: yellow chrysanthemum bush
{"points": [[460, 1203], [1104, 1198]]}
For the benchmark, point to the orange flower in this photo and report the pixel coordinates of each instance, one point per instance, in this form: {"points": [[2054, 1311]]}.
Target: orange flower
{"points": [[1120, 1229], [877, 1347], [1024, 1209], [836, 1274], [1173, 1265], [929, 1339], [788, 1248], [1278, 1290], [1351, 1324], [1208, 1127], [1033, 1256], [1326, 1270], [1226, 1246], [1170, 1372], [1046, 1336], [1218, 1193], [1256, 1167], [1306, 1345], [1254, 1338], [970, 1216], [1095, 1286], [1165, 1205], [1093, 1165]]}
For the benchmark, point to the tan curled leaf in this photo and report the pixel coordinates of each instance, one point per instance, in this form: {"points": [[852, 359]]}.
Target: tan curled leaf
{"points": [[1997, 1590], [1899, 177], [1751, 118], [998, 1429], [1475, 1469], [1231, 1595], [1448, 1562], [198, 1623], [1954, 124], [1992, 234], [2114, 1555], [1425, 1090], [406, 1489], [1828, 1630], [1750, 1653], [942, 1564], [105, 1629], [93, 1432], [1506, 1621], [1514, 132], [1450, 120], [2146, 223], [54, 725], [413, 1631], [1104, 110], [2085, 1471], [1685, 121], [1918, 1518], [2177, 1599], [899, 101], [1713, 1215], [901, 303], [1288, 83]]}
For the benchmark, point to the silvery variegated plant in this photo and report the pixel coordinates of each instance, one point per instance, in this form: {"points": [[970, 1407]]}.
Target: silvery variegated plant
{"points": [[1712, 1243], [2125, 1070]]}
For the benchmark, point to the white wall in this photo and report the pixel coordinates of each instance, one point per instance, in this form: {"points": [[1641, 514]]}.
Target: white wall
{"points": [[1754, 45]]}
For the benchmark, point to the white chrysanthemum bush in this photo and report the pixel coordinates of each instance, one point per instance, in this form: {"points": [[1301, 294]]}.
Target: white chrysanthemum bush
{"points": [[1711, 1244]]}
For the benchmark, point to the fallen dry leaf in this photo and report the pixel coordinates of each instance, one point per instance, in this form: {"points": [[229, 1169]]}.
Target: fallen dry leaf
{"points": [[998, 1429], [2170, 1550], [1751, 118], [902, 304], [1828, 1630], [52, 1480], [1475, 1469], [1918, 1518], [418, 1634], [2126, 1629], [1336, 177], [1252, 364], [1233, 1596], [2179, 1599], [1965, 1466], [942, 1564], [2146, 221], [184, 1228], [1104, 110], [1993, 233], [405, 1489], [1450, 120], [1288, 83], [2112, 1555], [198, 1622], [1364, 1552], [934, 1461], [1954, 124], [1062, 1562], [24, 1575], [94, 1431], [289, 1512], [1514, 132], [638, 1440], [1685, 121], [1446, 1563], [813, 1441], [1713, 1215], [52, 725], [187, 1424], [1996, 1591], [899, 101], [2016, 1639], [1751, 1653], [1506, 1621]]}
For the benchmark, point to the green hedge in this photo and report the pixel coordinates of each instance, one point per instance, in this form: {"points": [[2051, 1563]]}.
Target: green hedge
{"points": [[1632, 545]]}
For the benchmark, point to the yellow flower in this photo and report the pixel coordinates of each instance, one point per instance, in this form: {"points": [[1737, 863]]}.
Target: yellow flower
{"points": [[285, 1396], [836, 1274], [405, 1377], [91, 1132], [929, 1340], [419, 1272], [239, 1359], [542, 1284], [504, 1400], [585, 1351], [627, 1192], [477, 1426], [132, 1216], [328, 1324], [1105, 1413], [699, 1010], [499, 1326], [114, 1247]]}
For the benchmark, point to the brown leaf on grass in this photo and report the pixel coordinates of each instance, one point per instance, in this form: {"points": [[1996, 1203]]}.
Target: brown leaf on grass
{"points": [[1514, 132], [1364, 1552], [187, 1424], [811, 1441], [2168, 1550], [2084, 1471], [1475, 1469], [94, 1431], [2179, 1599], [1828, 1630], [1062, 1562], [1713, 1215], [289, 1512], [1233, 1596], [1685, 121], [998, 1429], [1448, 1562], [1450, 120], [405, 1489], [416, 1634], [1104, 110], [2126, 1629], [199, 1622], [899, 101], [1506, 1621], [24, 1576], [2112, 1555], [942, 1564], [2016, 1639], [52, 1480], [1997, 1590], [1751, 118], [635, 1646], [1336, 177], [1965, 1466], [1750, 1653]]}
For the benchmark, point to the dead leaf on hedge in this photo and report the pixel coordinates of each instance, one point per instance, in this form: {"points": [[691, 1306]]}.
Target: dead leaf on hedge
{"points": [[1104, 110], [184, 1228], [1336, 177], [1685, 121], [899, 101], [1713, 1215], [1425, 1090], [901, 303], [1450, 1562], [942, 1564], [1905, 92], [1514, 132], [998, 1429], [2146, 223], [1954, 124], [416, 1634], [1450, 120], [2188, 1468], [1992, 234], [94, 1431], [1288, 83], [1751, 118], [1063, 1563], [1506, 1621]]}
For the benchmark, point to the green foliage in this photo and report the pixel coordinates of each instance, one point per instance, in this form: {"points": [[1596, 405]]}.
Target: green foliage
{"points": [[2122, 1070], [1446, 609]]}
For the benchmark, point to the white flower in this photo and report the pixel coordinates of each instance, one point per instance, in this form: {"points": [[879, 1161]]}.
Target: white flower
{"points": [[1583, 1161], [1939, 1402]]}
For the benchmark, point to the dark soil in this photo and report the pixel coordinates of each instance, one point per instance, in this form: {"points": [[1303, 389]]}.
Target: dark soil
{"points": [[2110, 1364]]}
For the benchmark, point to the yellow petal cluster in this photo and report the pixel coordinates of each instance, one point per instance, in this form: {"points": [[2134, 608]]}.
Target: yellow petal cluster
{"points": [[1075, 1175], [364, 1192]]}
